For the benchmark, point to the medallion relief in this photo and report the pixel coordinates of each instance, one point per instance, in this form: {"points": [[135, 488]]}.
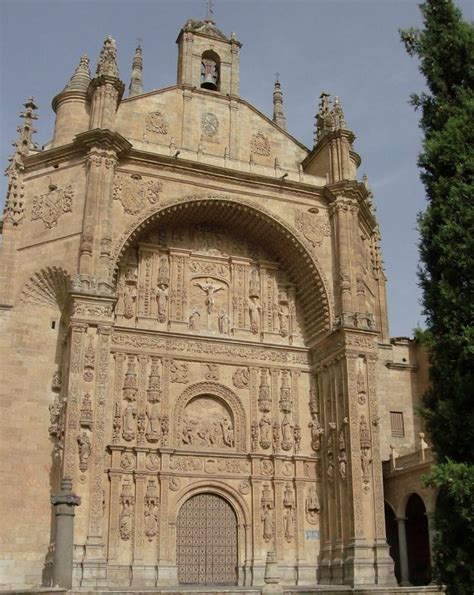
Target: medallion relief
{"points": [[135, 194]]}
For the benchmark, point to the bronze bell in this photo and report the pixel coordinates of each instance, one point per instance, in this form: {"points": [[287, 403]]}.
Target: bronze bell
{"points": [[209, 74]]}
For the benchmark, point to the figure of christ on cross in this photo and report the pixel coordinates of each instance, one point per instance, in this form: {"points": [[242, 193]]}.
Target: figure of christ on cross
{"points": [[210, 290]]}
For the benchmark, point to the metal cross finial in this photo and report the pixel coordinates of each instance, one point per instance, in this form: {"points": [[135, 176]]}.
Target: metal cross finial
{"points": [[209, 9], [277, 74], [139, 39]]}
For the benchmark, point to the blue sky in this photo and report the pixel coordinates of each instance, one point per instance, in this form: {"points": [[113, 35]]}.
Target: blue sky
{"points": [[348, 48]]}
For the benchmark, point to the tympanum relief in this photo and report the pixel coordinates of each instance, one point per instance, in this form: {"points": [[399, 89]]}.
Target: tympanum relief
{"points": [[207, 423], [203, 281]]}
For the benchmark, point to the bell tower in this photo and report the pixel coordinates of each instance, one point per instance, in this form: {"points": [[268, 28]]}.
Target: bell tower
{"points": [[207, 59]]}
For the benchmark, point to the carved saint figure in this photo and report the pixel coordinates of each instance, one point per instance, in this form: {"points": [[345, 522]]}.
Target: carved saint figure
{"points": [[316, 432], [286, 432], [267, 522], [129, 298], [241, 377], [194, 320], [312, 506], [254, 312], [128, 422], [265, 431], [127, 461], [179, 372], [365, 463], [227, 432], [84, 450], [151, 522], [283, 316], [154, 422], [210, 290], [342, 464], [224, 323], [126, 521], [254, 284], [189, 425], [289, 524], [161, 292]]}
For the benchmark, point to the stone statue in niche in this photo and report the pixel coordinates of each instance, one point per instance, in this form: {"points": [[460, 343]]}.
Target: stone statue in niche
{"points": [[128, 422], [207, 423], [254, 313], [316, 432], [129, 298], [84, 451], [286, 432], [276, 435], [289, 524], [224, 323], [283, 316], [161, 294], [153, 433], [151, 510], [254, 433], [209, 290], [254, 284], [194, 320], [127, 500], [265, 425], [267, 523], [312, 506], [297, 437]]}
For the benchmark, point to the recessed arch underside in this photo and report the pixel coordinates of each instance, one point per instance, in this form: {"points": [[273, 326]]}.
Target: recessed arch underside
{"points": [[258, 225]]}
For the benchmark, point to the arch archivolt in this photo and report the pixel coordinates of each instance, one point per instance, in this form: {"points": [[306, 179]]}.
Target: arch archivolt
{"points": [[298, 256], [220, 393]]}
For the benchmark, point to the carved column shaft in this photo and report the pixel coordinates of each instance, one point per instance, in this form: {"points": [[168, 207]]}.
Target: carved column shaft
{"points": [[76, 358], [114, 513], [97, 473]]}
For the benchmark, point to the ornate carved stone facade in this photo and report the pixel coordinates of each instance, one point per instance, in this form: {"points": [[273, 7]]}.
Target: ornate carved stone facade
{"points": [[214, 355]]}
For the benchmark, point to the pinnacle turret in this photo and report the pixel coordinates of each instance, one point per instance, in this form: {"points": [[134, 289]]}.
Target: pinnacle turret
{"points": [[278, 113], [330, 117], [136, 83], [107, 64], [81, 78], [14, 208]]}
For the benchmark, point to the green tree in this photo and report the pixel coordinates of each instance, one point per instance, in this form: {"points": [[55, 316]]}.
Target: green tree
{"points": [[445, 49]]}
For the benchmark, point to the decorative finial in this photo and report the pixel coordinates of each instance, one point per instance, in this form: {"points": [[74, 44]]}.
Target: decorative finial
{"points": [[278, 112], [338, 115], [107, 64], [136, 83], [14, 207], [209, 11], [82, 76]]}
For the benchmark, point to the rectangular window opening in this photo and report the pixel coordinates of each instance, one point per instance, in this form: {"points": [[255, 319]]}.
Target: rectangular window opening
{"points": [[396, 423]]}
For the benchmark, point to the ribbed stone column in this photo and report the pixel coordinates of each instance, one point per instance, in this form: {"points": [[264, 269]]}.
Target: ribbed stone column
{"points": [[64, 503]]}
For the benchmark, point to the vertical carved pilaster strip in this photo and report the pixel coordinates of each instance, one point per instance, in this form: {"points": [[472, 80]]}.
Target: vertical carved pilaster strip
{"points": [[114, 513], [96, 496], [253, 390], [278, 518], [355, 476], [300, 520], [140, 480], [376, 459], [78, 331], [163, 538], [118, 385], [141, 400], [275, 374], [257, 514]]}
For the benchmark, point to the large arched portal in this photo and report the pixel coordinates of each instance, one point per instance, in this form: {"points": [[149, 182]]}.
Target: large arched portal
{"points": [[206, 543]]}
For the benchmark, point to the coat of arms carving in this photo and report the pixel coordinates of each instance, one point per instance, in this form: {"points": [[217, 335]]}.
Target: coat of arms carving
{"points": [[50, 206], [134, 194], [260, 145], [156, 123], [313, 227]]}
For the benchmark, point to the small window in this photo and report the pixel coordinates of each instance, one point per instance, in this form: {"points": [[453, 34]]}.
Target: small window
{"points": [[396, 423]]}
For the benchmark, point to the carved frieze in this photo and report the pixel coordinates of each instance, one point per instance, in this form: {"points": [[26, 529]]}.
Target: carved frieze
{"points": [[50, 206]]}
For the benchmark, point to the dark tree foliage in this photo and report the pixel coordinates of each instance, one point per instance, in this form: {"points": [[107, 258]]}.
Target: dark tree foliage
{"points": [[445, 49]]}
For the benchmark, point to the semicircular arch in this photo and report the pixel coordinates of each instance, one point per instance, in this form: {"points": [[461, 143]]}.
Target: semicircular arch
{"points": [[212, 389], [258, 224]]}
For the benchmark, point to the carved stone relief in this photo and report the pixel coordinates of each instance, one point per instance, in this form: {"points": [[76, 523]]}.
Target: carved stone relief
{"points": [[135, 194], [260, 145], [50, 206], [207, 423], [312, 506], [240, 378], [314, 227], [155, 123]]}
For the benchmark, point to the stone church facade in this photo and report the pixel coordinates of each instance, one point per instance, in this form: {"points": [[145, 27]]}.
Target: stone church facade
{"points": [[194, 332]]}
